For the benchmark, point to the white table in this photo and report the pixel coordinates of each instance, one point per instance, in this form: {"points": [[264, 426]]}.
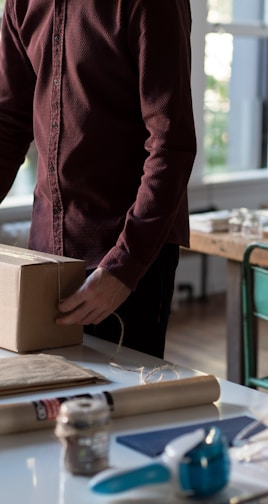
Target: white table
{"points": [[31, 469]]}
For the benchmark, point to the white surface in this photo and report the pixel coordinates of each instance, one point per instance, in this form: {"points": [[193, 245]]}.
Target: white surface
{"points": [[31, 469]]}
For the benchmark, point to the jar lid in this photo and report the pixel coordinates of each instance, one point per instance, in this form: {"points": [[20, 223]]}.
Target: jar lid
{"points": [[83, 412]]}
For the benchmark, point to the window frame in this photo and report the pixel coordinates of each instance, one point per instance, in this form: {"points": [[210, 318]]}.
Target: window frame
{"points": [[200, 28]]}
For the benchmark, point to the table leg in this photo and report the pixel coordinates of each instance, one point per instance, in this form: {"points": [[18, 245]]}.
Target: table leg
{"points": [[235, 366]]}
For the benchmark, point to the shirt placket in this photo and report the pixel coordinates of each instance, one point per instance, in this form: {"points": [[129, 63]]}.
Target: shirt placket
{"points": [[55, 125]]}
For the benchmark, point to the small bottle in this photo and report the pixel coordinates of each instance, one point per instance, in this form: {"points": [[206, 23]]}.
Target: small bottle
{"points": [[235, 222], [252, 226], [83, 428]]}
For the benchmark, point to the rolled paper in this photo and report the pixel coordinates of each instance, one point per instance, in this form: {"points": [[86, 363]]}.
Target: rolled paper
{"points": [[128, 401], [164, 395]]}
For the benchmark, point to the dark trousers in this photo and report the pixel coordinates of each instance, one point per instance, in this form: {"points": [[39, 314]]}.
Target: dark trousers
{"points": [[146, 312]]}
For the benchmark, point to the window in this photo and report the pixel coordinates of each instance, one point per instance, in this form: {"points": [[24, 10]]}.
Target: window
{"points": [[233, 132]]}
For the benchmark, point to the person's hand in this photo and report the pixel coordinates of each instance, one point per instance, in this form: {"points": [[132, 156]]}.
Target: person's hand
{"points": [[98, 297]]}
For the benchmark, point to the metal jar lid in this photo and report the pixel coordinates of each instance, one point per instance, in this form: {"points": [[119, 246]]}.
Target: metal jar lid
{"points": [[79, 415]]}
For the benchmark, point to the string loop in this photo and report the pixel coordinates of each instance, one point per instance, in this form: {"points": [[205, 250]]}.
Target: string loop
{"points": [[145, 376]]}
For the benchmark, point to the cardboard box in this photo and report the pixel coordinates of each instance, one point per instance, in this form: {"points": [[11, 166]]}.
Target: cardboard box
{"points": [[31, 284]]}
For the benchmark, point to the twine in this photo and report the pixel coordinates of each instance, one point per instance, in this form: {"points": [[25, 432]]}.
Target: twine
{"points": [[145, 376]]}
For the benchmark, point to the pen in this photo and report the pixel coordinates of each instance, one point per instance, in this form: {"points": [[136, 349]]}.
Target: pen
{"points": [[248, 498]]}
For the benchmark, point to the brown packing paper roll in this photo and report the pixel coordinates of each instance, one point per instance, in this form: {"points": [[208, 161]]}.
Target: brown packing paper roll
{"points": [[140, 399], [165, 395], [21, 417], [30, 416]]}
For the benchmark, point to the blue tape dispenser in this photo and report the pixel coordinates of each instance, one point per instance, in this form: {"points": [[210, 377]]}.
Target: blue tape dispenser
{"points": [[196, 464]]}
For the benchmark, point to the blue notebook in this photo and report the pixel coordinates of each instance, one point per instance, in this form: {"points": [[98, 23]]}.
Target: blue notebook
{"points": [[153, 443]]}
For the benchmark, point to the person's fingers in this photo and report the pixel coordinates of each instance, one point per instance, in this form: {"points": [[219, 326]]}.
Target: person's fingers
{"points": [[71, 303], [84, 315], [94, 317], [98, 297]]}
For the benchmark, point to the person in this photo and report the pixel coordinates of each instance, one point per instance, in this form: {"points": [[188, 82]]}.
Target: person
{"points": [[103, 89]]}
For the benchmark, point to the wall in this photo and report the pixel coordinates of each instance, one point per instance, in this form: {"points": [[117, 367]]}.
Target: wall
{"points": [[15, 233]]}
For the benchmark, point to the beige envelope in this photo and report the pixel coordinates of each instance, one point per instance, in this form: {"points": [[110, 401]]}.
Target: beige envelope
{"points": [[33, 372]]}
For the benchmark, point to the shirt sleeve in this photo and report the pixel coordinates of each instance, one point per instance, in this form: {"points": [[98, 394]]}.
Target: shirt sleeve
{"points": [[16, 98], [159, 43]]}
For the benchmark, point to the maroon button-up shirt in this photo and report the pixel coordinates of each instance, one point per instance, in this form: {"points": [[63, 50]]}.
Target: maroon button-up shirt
{"points": [[103, 87]]}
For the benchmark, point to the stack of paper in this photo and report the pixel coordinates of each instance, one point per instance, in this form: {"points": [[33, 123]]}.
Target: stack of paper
{"points": [[210, 221], [33, 372]]}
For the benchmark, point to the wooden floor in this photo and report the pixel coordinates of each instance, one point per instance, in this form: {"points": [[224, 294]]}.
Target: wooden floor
{"points": [[196, 337]]}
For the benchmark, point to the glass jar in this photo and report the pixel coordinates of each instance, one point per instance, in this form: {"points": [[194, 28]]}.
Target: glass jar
{"points": [[235, 222], [252, 226], [83, 428]]}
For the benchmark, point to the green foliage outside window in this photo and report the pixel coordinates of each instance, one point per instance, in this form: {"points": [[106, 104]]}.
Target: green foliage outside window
{"points": [[216, 120]]}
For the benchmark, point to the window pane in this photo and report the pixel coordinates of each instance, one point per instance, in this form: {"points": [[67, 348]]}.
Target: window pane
{"points": [[218, 59], [236, 94], [248, 98], [239, 11], [219, 11], [235, 106]]}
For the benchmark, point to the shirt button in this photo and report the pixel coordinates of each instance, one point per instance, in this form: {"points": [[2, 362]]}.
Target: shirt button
{"points": [[56, 82], [57, 37], [57, 210], [55, 125]]}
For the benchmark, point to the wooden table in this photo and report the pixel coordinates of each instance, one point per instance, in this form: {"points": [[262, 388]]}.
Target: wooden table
{"points": [[231, 248]]}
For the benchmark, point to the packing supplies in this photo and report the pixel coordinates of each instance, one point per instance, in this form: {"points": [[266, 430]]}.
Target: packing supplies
{"points": [[31, 285]]}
